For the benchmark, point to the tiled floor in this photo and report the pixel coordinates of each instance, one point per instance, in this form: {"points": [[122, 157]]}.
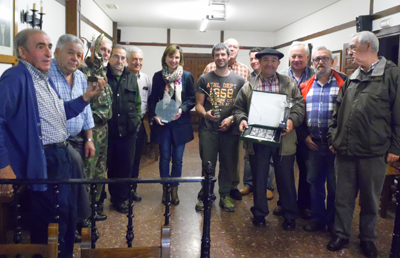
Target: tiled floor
{"points": [[232, 234]]}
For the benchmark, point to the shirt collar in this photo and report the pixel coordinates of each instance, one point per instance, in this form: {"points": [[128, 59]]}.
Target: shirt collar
{"points": [[34, 70], [330, 79], [273, 78], [372, 67]]}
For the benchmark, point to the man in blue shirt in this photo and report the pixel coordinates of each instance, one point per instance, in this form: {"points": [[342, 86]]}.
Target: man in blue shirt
{"points": [[320, 93], [33, 136]]}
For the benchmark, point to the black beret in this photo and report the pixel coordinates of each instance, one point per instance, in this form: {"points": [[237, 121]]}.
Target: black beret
{"points": [[269, 51]]}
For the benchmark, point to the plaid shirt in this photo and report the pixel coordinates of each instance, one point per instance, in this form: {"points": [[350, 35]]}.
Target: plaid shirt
{"points": [[269, 84], [320, 102], [371, 67], [51, 108], [84, 121], [237, 68]]}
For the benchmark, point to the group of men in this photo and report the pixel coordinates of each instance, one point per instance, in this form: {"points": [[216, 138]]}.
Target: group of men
{"points": [[48, 130], [341, 131]]}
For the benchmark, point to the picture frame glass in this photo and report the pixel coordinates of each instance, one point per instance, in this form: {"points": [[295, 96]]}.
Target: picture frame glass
{"points": [[6, 27]]}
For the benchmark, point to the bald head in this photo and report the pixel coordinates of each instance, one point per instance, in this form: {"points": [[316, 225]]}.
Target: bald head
{"points": [[233, 45]]}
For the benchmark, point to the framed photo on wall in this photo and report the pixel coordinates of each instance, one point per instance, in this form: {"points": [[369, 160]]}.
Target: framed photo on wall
{"points": [[7, 31], [337, 60]]}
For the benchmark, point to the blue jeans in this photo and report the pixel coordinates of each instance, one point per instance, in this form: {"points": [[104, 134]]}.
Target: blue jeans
{"points": [[320, 169], [168, 150]]}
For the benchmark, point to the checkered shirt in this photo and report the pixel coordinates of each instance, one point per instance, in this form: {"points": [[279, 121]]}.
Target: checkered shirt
{"points": [[372, 67], [320, 102], [51, 108], [237, 68], [84, 121], [269, 84]]}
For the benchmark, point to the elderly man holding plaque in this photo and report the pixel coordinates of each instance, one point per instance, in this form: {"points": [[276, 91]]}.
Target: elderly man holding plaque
{"points": [[260, 154], [170, 102], [219, 137]]}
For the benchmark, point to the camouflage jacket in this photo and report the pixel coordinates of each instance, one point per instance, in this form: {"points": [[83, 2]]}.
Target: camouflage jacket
{"points": [[101, 103]]}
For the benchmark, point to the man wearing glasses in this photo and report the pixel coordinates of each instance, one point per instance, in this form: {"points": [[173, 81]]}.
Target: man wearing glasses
{"points": [[320, 93], [123, 126], [365, 135]]}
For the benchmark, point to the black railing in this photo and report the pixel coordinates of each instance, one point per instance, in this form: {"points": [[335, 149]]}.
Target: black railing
{"points": [[208, 197], [395, 250]]}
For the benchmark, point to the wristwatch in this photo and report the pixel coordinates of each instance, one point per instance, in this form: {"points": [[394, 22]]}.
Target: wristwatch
{"points": [[89, 140], [231, 118]]}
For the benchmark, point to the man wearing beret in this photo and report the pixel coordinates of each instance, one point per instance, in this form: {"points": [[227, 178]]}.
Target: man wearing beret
{"points": [[259, 154]]}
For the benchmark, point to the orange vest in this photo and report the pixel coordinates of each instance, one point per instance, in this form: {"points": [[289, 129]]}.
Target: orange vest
{"points": [[306, 86]]}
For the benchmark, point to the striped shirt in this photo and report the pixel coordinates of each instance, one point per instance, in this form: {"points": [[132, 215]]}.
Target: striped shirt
{"points": [[237, 68], [145, 90], [51, 107], [269, 84], [320, 102], [84, 121]]}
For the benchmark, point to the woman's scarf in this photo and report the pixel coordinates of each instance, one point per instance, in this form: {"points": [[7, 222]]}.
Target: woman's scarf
{"points": [[173, 85]]}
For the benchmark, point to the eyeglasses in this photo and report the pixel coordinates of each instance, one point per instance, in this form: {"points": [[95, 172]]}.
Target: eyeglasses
{"points": [[325, 59]]}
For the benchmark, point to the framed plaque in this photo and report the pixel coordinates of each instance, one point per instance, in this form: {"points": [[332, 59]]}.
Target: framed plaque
{"points": [[267, 118]]}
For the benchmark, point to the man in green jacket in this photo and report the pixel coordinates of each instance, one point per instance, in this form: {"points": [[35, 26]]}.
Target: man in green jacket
{"points": [[123, 126], [365, 135], [259, 154]]}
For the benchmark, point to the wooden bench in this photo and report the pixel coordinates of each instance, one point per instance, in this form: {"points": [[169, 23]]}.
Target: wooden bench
{"points": [[161, 251], [28, 250], [391, 172]]}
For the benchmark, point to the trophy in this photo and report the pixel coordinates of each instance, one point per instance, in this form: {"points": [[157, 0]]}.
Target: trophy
{"points": [[166, 110], [215, 102], [98, 71]]}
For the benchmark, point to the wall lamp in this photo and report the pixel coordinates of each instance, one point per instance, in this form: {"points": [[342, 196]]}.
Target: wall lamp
{"points": [[33, 19]]}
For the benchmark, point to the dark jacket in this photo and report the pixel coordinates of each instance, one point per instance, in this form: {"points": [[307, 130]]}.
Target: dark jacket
{"points": [[366, 119], [182, 131], [126, 107], [20, 130]]}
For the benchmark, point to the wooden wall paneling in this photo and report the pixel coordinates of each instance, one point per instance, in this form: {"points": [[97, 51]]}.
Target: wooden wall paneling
{"points": [[71, 17]]}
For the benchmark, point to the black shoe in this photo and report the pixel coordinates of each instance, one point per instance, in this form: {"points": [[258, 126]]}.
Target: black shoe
{"points": [[314, 226], [278, 211], [289, 224], [337, 243], [136, 197], [259, 221], [100, 207], [235, 194], [100, 216], [306, 214], [77, 238], [86, 223], [368, 249], [121, 207]]}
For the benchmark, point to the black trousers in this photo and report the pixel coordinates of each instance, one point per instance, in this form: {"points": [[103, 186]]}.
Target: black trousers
{"points": [[284, 174], [43, 205], [140, 140], [121, 153]]}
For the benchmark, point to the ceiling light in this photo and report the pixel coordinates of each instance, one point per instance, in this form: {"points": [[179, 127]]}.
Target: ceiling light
{"points": [[112, 6], [203, 25]]}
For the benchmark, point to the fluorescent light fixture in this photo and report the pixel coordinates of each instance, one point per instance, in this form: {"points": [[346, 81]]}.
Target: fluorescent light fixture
{"points": [[112, 6], [217, 11], [203, 25]]}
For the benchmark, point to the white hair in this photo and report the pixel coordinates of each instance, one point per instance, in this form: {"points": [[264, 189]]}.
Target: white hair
{"points": [[134, 50], [298, 43], [364, 37], [64, 39], [322, 48]]}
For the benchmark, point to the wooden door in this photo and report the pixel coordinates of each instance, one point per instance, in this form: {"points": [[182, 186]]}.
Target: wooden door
{"points": [[347, 61], [195, 63]]}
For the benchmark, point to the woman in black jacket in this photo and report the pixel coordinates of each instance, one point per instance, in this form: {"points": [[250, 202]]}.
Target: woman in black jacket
{"points": [[172, 83]]}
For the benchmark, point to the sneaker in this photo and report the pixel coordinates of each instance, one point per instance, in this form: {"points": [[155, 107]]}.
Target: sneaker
{"points": [[226, 203], [199, 206]]}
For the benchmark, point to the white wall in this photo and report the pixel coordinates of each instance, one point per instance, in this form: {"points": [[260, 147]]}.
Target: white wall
{"points": [[152, 55], [93, 12], [322, 20]]}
